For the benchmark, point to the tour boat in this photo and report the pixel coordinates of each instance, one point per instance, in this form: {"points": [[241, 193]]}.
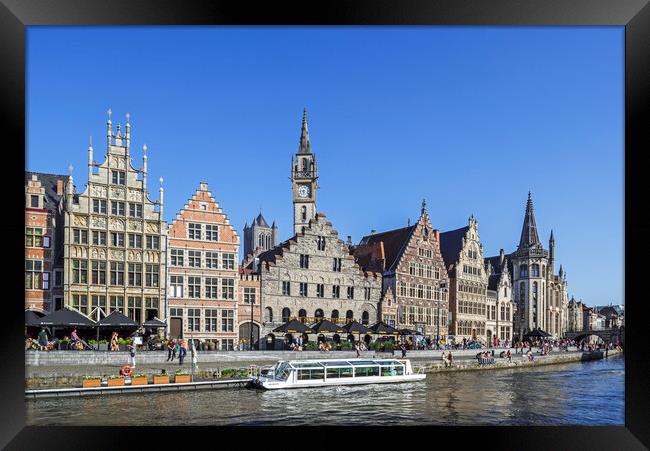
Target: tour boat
{"points": [[326, 372]]}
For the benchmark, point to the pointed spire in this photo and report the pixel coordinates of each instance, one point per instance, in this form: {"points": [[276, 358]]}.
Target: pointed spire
{"points": [[529, 236], [424, 206], [561, 273], [552, 238], [305, 145]]}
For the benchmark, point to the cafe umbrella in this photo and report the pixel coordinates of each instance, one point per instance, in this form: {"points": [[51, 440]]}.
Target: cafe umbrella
{"points": [[292, 327], [358, 328], [116, 320], [66, 318], [33, 318], [408, 332], [381, 328], [326, 326]]}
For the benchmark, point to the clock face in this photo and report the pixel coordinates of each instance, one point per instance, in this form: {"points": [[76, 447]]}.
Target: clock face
{"points": [[303, 191]]}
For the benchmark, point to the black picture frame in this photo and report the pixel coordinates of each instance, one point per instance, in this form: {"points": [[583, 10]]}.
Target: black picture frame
{"points": [[634, 15]]}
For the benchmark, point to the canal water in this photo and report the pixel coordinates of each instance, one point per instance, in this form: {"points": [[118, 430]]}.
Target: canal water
{"points": [[590, 393]]}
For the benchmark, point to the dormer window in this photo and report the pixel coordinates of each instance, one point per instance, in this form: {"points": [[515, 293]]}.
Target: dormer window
{"points": [[425, 233], [34, 201], [118, 177]]}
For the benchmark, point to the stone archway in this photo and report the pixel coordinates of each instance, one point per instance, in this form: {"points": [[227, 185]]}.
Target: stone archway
{"points": [[245, 334]]}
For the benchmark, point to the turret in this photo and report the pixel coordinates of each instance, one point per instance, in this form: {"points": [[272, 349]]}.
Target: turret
{"points": [[551, 254], [502, 257], [127, 134], [109, 131], [161, 194], [69, 191], [144, 167], [90, 158]]}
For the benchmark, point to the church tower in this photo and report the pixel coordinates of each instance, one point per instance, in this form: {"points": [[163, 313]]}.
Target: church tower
{"points": [[304, 176]]}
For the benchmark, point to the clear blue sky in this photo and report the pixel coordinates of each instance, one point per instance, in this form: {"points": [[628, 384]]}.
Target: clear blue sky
{"points": [[468, 118]]}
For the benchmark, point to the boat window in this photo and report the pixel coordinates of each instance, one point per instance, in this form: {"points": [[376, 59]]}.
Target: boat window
{"points": [[392, 370], [335, 363], [363, 371], [363, 362], [333, 373], [283, 371], [314, 365], [306, 374]]}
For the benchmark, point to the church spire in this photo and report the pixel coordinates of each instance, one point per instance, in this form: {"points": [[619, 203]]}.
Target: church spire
{"points": [[305, 145], [529, 236]]}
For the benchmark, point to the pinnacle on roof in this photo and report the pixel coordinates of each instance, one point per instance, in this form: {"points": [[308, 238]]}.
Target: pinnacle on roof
{"points": [[529, 236], [305, 145], [260, 221]]}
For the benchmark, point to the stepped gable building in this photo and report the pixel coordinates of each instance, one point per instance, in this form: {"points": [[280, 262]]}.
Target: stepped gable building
{"points": [[259, 236], [462, 252], [44, 202], [115, 237], [413, 272], [312, 275], [541, 296], [500, 308], [203, 274]]}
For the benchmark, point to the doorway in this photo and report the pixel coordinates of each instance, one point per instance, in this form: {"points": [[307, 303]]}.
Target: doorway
{"points": [[176, 327]]}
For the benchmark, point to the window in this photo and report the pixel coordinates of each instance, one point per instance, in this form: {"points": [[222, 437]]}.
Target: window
{"points": [[116, 303], [99, 206], [211, 287], [321, 243], [402, 288], [211, 320], [503, 312], [80, 236], [118, 177], [135, 274], [117, 273], [534, 291], [303, 214], [194, 259], [193, 319], [212, 232], [286, 313], [34, 237], [365, 317], [194, 231], [117, 239], [135, 240], [58, 278], [420, 293], [228, 288], [117, 208], [268, 315], [227, 344], [34, 201], [303, 289], [437, 273], [151, 275], [350, 292], [227, 261], [543, 270], [98, 272], [429, 292], [227, 320], [302, 313], [177, 257], [194, 287], [320, 290], [99, 238], [211, 260], [523, 271], [79, 271], [176, 286], [249, 295], [34, 277], [135, 210], [534, 270], [286, 288], [304, 261], [522, 292], [336, 291], [98, 301], [335, 314], [80, 302], [412, 268], [336, 267], [134, 307], [153, 242], [349, 315]]}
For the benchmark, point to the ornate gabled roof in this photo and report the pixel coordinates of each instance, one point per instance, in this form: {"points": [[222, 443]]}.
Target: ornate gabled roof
{"points": [[49, 183], [451, 244], [499, 264], [529, 237], [394, 243], [260, 221]]}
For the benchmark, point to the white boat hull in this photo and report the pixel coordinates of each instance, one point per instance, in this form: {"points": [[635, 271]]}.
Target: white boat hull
{"points": [[273, 384]]}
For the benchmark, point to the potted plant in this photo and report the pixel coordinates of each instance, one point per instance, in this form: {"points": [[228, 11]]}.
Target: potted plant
{"points": [[162, 378], [115, 380], [122, 344], [139, 379], [182, 377], [92, 381]]}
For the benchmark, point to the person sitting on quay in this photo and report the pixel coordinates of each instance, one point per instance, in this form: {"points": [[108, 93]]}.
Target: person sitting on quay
{"points": [[114, 343], [42, 340]]}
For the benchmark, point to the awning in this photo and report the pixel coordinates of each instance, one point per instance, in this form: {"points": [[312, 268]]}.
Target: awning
{"points": [[382, 328], [357, 328], [325, 326], [118, 320], [293, 326], [154, 323], [66, 318], [33, 318], [408, 332]]}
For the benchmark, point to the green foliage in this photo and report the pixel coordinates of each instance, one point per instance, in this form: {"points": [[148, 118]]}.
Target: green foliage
{"points": [[311, 346], [180, 372], [92, 342], [229, 373], [114, 376], [138, 375], [92, 377], [345, 345]]}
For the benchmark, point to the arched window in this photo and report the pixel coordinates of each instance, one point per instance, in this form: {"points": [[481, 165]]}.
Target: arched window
{"points": [[534, 291], [523, 271], [318, 313], [365, 318], [534, 270], [268, 314], [286, 313], [335, 314], [302, 314], [522, 292], [303, 213], [349, 315]]}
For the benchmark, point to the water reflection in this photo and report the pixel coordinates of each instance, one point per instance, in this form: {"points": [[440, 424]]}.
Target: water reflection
{"points": [[560, 394]]}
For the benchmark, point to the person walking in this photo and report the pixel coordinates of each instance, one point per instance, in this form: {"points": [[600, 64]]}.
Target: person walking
{"points": [[131, 349], [403, 351], [171, 349], [114, 344], [182, 352], [195, 358], [357, 349], [42, 340]]}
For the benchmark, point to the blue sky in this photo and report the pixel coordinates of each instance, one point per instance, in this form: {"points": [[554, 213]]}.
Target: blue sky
{"points": [[469, 118]]}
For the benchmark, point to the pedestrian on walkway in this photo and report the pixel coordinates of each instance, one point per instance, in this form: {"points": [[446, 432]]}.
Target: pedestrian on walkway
{"points": [[131, 349], [171, 349], [195, 358], [357, 349], [114, 344], [403, 351], [42, 340], [182, 352]]}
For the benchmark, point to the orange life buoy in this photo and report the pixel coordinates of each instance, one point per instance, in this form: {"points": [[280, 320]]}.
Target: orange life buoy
{"points": [[126, 370]]}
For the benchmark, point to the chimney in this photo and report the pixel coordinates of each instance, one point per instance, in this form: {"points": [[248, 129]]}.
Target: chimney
{"points": [[501, 256], [59, 187], [349, 243], [436, 233]]}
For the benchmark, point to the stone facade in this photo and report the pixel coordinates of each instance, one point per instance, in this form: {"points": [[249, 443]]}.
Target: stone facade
{"points": [[413, 273], [574, 313], [541, 296], [44, 241], [259, 237], [115, 237], [203, 275], [500, 307], [468, 282], [304, 181]]}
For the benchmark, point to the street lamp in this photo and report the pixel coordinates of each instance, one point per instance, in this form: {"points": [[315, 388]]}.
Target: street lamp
{"points": [[250, 343]]}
